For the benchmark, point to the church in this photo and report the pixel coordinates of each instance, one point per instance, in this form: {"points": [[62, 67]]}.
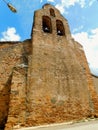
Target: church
{"points": [[45, 79]]}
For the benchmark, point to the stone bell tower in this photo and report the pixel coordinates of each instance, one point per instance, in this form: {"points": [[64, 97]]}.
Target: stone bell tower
{"points": [[45, 79], [57, 77]]}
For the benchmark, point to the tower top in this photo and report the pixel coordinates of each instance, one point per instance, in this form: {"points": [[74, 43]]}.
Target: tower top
{"points": [[49, 21], [47, 4]]}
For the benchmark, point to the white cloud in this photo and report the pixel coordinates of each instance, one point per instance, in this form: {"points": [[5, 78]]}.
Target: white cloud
{"points": [[10, 35], [61, 8], [67, 3], [47, 1], [41, 1], [77, 29], [91, 2], [64, 4], [90, 44], [50, 0]]}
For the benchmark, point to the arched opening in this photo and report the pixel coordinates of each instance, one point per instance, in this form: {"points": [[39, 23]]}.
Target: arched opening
{"points": [[52, 13], [60, 28], [46, 24]]}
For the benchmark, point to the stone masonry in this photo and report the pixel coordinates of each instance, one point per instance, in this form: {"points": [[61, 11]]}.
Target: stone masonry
{"points": [[45, 79]]}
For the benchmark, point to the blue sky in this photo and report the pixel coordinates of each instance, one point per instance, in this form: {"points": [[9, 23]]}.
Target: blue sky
{"points": [[82, 16]]}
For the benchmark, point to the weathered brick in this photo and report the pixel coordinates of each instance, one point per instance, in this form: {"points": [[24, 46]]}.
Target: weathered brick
{"points": [[46, 79]]}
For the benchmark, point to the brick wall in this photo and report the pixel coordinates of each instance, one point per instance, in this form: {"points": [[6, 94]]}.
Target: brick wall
{"points": [[46, 79], [12, 57]]}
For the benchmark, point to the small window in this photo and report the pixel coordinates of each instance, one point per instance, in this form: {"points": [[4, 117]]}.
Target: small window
{"points": [[46, 24], [60, 28], [52, 13]]}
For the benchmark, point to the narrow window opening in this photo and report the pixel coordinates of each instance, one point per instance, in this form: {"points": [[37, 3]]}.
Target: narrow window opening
{"points": [[46, 24], [52, 13], [60, 28]]}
